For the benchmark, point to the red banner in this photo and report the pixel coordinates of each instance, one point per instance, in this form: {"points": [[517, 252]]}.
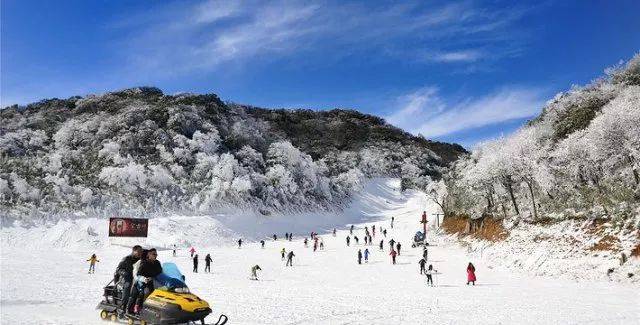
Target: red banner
{"points": [[128, 227]]}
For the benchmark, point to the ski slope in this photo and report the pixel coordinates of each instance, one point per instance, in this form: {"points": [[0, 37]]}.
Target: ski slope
{"points": [[44, 279]]}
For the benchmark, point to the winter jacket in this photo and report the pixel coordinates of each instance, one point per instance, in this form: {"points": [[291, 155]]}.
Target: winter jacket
{"points": [[393, 253], [471, 274], [150, 269], [124, 270]]}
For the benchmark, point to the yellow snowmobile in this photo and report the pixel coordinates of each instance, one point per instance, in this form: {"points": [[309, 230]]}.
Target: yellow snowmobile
{"points": [[171, 302]]}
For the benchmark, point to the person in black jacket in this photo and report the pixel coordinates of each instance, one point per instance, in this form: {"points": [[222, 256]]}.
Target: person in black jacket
{"points": [[207, 263], [149, 268], [123, 277], [195, 264]]}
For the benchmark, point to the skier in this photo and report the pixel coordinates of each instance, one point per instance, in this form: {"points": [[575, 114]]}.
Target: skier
{"points": [[240, 243], [373, 229], [351, 231], [315, 245], [391, 243], [192, 250], [174, 250], [306, 242], [334, 232], [254, 272], [429, 272], [425, 253], [195, 264], [359, 256], [262, 243], [283, 252], [366, 255], [393, 256], [398, 246], [384, 232], [348, 240], [370, 240], [290, 258], [286, 236], [381, 244], [321, 245], [366, 239], [471, 274], [124, 276], [290, 236], [207, 263], [92, 263], [356, 239], [422, 263], [392, 220], [275, 237]]}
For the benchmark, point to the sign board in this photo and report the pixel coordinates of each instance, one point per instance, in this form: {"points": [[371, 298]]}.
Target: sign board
{"points": [[128, 227]]}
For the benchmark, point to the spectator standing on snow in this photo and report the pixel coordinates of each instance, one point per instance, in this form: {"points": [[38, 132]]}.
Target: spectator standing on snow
{"points": [[393, 256], [429, 272], [207, 263], [471, 274], [359, 256], [92, 263], [254, 272], [381, 244], [384, 232], [262, 243], [283, 252], [275, 237], [392, 220], [366, 255], [370, 240], [334, 232], [315, 245], [192, 250], [348, 240], [398, 246], [422, 263], [290, 258], [195, 263], [392, 243], [351, 230], [240, 243]]}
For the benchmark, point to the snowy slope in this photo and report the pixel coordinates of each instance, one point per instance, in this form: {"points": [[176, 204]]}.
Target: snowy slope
{"points": [[40, 266]]}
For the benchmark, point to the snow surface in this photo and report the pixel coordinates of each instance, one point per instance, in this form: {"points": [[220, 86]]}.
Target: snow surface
{"points": [[44, 279]]}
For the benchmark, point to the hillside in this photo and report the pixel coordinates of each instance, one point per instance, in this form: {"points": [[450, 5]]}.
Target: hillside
{"points": [[139, 151], [565, 187]]}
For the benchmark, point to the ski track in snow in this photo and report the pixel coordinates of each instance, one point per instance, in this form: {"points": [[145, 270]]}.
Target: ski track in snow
{"points": [[42, 285]]}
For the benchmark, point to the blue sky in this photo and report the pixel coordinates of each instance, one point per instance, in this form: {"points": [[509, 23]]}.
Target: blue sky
{"points": [[462, 71]]}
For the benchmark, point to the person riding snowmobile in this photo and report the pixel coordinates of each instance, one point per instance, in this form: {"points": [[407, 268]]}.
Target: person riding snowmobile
{"points": [[123, 277], [149, 268]]}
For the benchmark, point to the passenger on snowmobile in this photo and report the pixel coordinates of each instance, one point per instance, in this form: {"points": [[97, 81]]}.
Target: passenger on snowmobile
{"points": [[123, 277], [150, 267]]}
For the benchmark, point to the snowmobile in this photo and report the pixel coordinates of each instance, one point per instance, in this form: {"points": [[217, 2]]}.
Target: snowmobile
{"points": [[171, 302], [418, 239]]}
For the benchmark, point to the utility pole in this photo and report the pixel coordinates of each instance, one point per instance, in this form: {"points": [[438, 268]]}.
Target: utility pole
{"points": [[437, 218]]}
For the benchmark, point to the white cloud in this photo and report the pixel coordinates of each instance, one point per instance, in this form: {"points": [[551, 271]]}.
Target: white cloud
{"points": [[431, 116], [210, 34]]}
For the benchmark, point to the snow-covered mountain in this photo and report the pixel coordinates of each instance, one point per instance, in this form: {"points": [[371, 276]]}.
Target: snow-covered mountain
{"points": [[139, 151]]}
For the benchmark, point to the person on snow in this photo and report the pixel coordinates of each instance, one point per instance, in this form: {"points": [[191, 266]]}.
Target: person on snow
{"points": [[425, 253], [373, 230], [315, 245], [384, 232], [290, 258], [471, 274], [393, 256], [334, 232], [392, 243], [392, 220], [359, 257], [422, 263], [275, 237], [149, 268], [262, 243], [348, 240], [370, 240], [192, 250], [283, 252], [429, 273], [366, 255], [381, 245], [195, 264], [356, 239], [321, 245], [207, 263], [92, 263], [286, 236], [240, 243], [123, 277], [306, 242], [174, 250], [290, 236], [366, 239], [351, 230], [254, 272], [398, 246]]}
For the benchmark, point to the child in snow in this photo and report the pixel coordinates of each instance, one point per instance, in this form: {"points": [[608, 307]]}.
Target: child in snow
{"points": [[207, 263], [366, 255], [195, 264], [471, 274], [429, 273], [359, 256], [92, 263], [393, 256], [254, 272], [283, 252], [290, 258]]}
